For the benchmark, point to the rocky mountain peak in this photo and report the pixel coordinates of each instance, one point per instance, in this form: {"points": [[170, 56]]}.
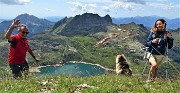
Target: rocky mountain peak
{"points": [[25, 17], [34, 23], [84, 24]]}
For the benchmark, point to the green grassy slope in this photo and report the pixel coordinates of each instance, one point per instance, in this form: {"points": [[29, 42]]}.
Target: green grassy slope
{"points": [[96, 84]]}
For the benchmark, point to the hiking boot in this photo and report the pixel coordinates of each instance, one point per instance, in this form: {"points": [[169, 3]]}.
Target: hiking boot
{"points": [[149, 81]]}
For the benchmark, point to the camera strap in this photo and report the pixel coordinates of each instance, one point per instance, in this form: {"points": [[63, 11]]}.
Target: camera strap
{"points": [[160, 36]]}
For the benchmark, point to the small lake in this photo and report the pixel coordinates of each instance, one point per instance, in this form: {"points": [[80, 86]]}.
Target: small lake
{"points": [[73, 69]]}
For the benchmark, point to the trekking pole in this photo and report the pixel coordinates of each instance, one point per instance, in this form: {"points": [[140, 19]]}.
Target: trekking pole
{"points": [[145, 55], [166, 74], [144, 68], [166, 57], [165, 62]]}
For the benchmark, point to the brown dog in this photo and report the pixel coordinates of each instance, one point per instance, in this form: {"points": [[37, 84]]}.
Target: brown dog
{"points": [[122, 67]]}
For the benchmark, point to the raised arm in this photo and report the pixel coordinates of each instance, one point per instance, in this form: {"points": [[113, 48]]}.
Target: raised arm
{"points": [[11, 28]]}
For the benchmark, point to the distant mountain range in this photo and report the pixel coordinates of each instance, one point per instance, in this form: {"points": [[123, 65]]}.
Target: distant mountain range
{"points": [[54, 18], [148, 21], [34, 24], [1, 20], [37, 25]]}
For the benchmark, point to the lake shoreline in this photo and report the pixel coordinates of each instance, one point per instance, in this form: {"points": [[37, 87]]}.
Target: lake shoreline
{"points": [[37, 69], [93, 64]]}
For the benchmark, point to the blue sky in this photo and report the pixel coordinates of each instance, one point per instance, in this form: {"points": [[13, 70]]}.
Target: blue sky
{"points": [[115, 8]]}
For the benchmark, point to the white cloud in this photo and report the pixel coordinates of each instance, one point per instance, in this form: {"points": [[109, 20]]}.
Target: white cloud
{"points": [[111, 5], [94, 1], [107, 1], [89, 8], [105, 8], [164, 6], [122, 5], [83, 7], [15, 2], [48, 9], [132, 1], [76, 6]]}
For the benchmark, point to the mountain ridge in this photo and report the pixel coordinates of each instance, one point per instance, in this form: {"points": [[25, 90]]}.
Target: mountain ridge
{"points": [[148, 21], [80, 25], [34, 24]]}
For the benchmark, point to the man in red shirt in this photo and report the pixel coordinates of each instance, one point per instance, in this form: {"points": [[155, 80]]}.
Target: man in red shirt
{"points": [[18, 48]]}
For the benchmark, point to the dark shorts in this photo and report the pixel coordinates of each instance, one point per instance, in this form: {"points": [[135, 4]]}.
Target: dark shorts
{"points": [[18, 69]]}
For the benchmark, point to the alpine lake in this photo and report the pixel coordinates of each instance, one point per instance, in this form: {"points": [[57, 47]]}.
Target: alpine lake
{"points": [[73, 69]]}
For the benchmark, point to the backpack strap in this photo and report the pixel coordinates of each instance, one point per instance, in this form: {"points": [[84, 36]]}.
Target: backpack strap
{"points": [[153, 35]]}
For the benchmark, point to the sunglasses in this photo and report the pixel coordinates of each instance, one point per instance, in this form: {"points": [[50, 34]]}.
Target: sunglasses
{"points": [[25, 32]]}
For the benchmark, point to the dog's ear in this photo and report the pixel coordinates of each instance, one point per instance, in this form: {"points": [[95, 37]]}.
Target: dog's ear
{"points": [[123, 58]]}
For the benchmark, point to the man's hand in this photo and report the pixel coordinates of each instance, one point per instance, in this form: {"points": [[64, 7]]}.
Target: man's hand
{"points": [[15, 22], [9, 31], [36, 59]]}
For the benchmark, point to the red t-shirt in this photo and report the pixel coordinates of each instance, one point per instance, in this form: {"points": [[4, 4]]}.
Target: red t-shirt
{"points": [[18, 48]]}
